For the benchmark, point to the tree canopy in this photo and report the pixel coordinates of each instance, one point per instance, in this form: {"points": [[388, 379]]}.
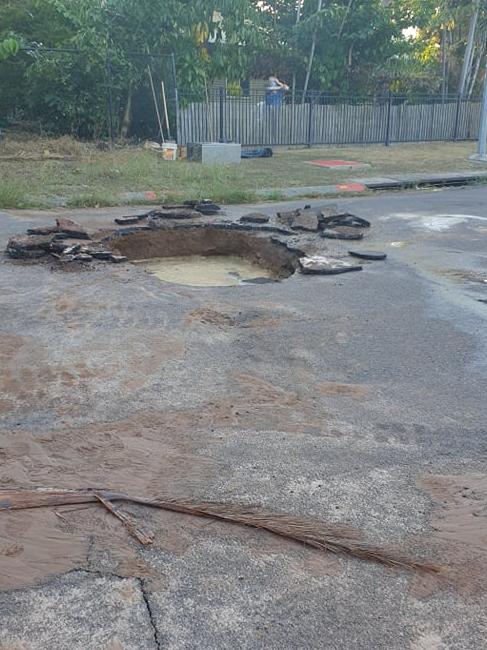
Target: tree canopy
{"points": [[353, 47]]}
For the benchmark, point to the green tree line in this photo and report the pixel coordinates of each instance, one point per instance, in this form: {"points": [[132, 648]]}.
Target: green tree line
{"points": [[342, 47]]}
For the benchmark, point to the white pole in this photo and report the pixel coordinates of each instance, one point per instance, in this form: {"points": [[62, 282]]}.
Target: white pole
{"points": [[483, 122]]}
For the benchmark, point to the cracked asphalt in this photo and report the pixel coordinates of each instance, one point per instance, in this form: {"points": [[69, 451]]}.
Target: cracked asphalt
{"points": [[358, 399]]}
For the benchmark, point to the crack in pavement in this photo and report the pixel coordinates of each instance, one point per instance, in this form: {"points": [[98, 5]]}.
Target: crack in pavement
{"points": [[143, 590], [145, 596]]}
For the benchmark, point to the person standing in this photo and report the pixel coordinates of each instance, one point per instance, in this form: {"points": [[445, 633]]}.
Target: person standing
{"points": [[275, 91]]}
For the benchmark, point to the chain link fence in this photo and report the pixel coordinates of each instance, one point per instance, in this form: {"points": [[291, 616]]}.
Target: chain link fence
{"points": [[89, 96]]}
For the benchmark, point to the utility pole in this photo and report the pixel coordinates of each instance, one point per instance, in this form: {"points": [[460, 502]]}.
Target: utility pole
{"points": [[298, 18], [311, 54], [483, 124]]}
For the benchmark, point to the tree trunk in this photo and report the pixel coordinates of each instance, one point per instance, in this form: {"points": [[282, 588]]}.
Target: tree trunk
{"points": [[468, 57], [127, 117], [444, 64], [475, 72], [349, 6]]}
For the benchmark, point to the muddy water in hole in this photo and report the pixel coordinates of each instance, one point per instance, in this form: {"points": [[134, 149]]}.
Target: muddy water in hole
{"points": [[204, 271]]}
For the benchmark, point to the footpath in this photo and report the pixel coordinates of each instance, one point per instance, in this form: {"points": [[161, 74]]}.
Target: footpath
{"points": [[395, 182]]}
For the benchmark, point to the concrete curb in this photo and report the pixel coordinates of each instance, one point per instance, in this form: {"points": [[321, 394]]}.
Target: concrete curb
{"points": [[357, 185]]}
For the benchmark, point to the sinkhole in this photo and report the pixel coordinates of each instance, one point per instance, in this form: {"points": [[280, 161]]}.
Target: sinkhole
{"points": [[209, 255]]}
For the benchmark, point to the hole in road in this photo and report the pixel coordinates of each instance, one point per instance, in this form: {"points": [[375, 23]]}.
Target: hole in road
{"points": [[208, 256]]}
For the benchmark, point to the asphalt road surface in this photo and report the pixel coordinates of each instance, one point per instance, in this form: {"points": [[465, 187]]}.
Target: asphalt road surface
{"points": [[358, 399]]}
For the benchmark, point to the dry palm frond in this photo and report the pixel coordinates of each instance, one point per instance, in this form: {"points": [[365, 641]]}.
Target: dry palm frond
{"points": [[321, 535]]}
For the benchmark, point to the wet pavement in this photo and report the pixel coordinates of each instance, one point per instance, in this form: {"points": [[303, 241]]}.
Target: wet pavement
{"points": [[359, 399]]}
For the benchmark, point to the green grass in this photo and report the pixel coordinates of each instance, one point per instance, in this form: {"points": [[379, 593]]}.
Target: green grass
{"points": [[91, 200], [93, 178], [13, 194]]}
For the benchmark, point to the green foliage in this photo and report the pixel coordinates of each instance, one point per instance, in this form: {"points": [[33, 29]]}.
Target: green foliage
{"points": [[8, 47], [361, 48]]}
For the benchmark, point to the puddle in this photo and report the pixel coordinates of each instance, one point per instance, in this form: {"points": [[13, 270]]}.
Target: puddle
{"points": [[205, 271]]}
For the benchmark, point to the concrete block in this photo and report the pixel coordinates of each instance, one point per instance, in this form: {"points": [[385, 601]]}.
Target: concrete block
{"points": [[215, 152]]}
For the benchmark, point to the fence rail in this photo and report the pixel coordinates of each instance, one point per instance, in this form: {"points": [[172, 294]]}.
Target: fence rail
{"points": [[263, 120]]}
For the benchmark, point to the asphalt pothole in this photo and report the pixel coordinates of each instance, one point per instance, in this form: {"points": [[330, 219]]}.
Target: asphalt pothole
{"points": [[209, 256], [206, 271]]}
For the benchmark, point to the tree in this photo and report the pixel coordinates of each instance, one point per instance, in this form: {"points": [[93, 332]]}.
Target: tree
{"points": [[450, 40], [103, 48]]}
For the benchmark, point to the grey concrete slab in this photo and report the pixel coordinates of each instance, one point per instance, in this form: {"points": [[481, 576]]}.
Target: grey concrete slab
{"points": [[290, 192], [79, 611], [418, 178]]}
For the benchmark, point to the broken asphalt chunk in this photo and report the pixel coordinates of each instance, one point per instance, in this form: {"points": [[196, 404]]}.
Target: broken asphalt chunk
{"points": [[71, 228], [305, 220], [345, 219], [101, 255], [131, 219], [28, 246], [62, 246], [368, 255], [254, 217], [205, 207], [287, 217], [321, 265], [341, 233], [175, 213], [82, 257], [42, 230], [74, 248]]}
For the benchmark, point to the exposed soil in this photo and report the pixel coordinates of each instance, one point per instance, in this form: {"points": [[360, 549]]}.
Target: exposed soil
{"points": [[149, 454], [28, 376], [211, 317], [223, 320], [143, 454], [258, 249], [459, 526]]}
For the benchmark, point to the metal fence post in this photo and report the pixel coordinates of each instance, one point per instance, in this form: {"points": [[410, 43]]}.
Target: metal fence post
{"points": [[388, 120], [457, 118], [109, 98], [176, 98], [222, 95], [432, 124], [310, 122]]}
